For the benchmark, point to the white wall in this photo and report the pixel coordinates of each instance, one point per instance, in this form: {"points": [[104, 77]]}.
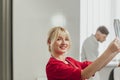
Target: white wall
{"points": [[31, 22]]}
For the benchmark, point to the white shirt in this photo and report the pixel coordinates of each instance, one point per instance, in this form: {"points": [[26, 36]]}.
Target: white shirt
{"points": [[90, 49]]}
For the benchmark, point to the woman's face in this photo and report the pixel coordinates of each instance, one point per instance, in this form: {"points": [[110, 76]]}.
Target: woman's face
{"points": [[61, 45]]}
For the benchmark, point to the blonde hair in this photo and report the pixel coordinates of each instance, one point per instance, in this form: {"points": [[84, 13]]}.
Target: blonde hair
{"points": [[54, 34]]}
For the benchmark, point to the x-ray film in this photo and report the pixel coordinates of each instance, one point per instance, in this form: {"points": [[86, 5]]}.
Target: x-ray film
{"points": [[117, 27]]}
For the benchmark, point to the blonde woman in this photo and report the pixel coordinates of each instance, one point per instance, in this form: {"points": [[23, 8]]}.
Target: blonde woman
{"points": [[61, 67]]}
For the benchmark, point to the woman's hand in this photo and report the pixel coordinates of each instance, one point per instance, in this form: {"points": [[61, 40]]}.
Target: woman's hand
{"points": [[114, 46]]}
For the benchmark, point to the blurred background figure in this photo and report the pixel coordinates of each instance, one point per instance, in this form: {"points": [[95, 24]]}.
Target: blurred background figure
{"points": [[91, 45]]}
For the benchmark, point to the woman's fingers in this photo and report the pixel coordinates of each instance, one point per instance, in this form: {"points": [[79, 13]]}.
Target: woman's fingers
{"points": [[116, 45]]}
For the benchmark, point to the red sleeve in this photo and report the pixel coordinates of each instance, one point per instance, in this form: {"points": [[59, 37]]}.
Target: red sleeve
{"points": [[61, 71], [80, 64], [85, 64]]}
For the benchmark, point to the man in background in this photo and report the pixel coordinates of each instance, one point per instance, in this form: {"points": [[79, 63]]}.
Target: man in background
{"points": [[91, 45]]}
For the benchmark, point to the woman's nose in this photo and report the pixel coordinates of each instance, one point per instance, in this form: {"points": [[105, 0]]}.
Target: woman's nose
{"points": [[63, 41]]}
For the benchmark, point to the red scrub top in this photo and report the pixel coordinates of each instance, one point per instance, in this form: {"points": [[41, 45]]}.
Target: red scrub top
{"points": [[58, 70]]}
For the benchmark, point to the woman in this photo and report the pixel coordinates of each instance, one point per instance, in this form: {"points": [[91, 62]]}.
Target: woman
{"points": [[61, 67]]}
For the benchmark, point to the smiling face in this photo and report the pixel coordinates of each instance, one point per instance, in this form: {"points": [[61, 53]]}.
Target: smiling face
{"points": [[58, 41], [61, 45]]}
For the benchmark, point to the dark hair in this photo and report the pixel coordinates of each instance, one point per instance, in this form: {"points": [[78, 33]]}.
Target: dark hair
{"points": [[103, 30]]}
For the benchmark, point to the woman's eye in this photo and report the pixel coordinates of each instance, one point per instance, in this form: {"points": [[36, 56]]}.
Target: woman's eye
{"points": [[58, 39], [67, 39]]}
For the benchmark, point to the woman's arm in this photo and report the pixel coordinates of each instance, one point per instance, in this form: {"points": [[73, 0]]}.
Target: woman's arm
{"points": [[105, 58]]}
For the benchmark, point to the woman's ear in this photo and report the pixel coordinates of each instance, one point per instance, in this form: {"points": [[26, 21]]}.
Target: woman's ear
{"points": [[49, 42]]}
